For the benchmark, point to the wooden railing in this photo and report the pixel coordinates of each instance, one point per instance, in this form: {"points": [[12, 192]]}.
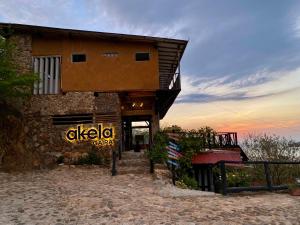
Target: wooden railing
{"points": [[213, 140], [267, 169], [225, 139]]}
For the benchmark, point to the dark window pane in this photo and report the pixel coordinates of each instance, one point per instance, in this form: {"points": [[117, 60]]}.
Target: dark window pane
{"points": [[78, 58], [72, 119], [142, 56]]}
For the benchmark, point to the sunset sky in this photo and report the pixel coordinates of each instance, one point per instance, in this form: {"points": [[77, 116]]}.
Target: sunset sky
{"points": [[241, 68]]}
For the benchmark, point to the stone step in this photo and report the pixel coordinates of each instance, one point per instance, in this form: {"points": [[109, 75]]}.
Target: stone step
{"points": [[161, 166], [133, 170], [133, 155], [133, 162]]}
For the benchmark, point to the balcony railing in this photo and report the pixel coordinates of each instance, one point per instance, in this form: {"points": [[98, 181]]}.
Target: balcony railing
{"points": [[225, 139], [175, 82], [170, 81], [212, 140]]}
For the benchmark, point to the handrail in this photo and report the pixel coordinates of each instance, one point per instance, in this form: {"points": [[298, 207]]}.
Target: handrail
{"points": [[216, 140]]}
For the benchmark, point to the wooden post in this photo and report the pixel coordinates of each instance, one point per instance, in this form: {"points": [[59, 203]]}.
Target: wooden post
{"points": [[196, 169], [173, 174], [223, 176], [235, 139], [202, 178], [150, 144], [208, 178], [120, 151], [268, 176], [113, 169]]}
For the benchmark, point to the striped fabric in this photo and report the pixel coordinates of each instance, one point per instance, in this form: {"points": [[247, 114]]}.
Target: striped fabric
{"points": [[173, 153]]}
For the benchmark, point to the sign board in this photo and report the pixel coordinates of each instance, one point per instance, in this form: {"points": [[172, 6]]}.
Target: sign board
{"points": [[98, 134]]}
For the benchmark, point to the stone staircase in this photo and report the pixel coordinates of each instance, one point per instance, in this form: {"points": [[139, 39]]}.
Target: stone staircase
{"points": [[133, 163]]}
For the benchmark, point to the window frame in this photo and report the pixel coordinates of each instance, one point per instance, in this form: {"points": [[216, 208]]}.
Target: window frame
{"points": [[142, 53], [79, 53]]}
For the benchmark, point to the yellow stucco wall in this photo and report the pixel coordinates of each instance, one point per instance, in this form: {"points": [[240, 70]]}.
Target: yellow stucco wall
{"points": [[100, 73]]}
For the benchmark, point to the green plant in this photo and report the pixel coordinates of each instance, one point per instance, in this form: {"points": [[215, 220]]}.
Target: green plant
{"points": [[12, 83], [190, 182], [14, 87], [192, 142], [92, 158], [238, 178], [158, 152], [181, 184], [293, 186]]}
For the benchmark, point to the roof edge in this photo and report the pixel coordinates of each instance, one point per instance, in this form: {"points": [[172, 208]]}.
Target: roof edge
{"points": [[33, 28]]}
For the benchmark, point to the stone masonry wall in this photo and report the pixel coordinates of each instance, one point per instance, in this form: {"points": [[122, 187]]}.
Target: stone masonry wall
{"points": [[22, 51], [48, 139]]}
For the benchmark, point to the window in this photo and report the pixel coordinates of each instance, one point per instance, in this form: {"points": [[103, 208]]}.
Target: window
{"points": [[78, 58], [48, 70], [72, 119], [142, 56]]}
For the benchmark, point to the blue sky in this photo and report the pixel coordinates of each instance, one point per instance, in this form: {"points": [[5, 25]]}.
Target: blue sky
{"points": [[240, 70]]}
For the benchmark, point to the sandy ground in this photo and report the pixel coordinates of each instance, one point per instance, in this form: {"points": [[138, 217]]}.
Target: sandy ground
{"points": [[91, 196]]}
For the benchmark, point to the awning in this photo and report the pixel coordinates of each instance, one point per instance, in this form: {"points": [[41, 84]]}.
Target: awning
{"points": [[214, 156]]}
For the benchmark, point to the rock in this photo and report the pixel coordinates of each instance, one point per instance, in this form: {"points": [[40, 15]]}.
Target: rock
{"points": [[20, 210]]}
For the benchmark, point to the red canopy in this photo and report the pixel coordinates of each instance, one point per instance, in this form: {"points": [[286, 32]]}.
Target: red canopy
{"points": [[214, 156]]}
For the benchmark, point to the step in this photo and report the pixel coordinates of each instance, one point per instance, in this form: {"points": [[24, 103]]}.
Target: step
{"points": [[133, 155], [161, 166], [133, 170], [133, 162]]}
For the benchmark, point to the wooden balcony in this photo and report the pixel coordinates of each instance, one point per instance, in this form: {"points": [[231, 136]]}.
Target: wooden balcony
{"points": [[169, 56]]}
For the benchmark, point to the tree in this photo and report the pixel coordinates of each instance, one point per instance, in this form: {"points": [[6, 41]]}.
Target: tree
{"points": [[173, 128], [273, 148], [12, 84], [270, 147], [14, 87]]}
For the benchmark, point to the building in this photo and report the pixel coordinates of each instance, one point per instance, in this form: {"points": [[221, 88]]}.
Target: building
{"points": [[90, 78]]}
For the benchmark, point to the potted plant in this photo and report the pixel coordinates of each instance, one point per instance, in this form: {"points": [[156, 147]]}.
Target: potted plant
{"points": [[294, 189]]}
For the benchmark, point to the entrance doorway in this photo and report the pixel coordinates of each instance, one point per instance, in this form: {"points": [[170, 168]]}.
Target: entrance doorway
{"points": [[137, 133]]}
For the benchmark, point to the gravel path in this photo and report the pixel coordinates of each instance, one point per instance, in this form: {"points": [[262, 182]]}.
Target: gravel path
{"points": [[91, 196]]}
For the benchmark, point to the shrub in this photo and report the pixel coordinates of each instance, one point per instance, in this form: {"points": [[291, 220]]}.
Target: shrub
{"points": [[192, 142], [158, 152], [238, 178], [92, 158], [190, 182], [181, 184]]}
